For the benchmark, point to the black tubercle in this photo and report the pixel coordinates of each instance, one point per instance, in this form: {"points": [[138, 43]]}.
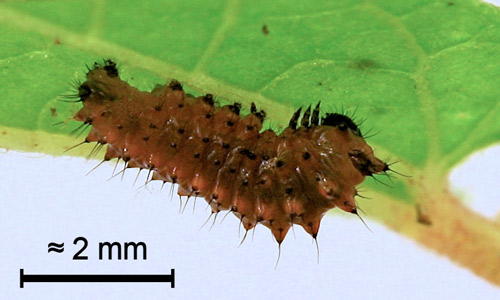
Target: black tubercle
{"points": [[295, 119], [110, 68], [248, 154], [309, 119], [306, 118], [84, 91], [209, 99], [175, 85], [261, 115], [253, 108], [341, 121], [235, 108], [315, 115]]}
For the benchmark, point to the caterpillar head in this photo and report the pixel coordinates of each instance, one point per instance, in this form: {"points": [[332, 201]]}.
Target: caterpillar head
{"points": [[344, 137]]}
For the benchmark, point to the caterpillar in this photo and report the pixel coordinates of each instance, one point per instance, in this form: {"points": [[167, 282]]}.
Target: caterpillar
{"points": [[214, 152]]}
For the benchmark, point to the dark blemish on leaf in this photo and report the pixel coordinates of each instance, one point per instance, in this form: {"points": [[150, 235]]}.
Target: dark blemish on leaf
{"points": [[451, 3], [53, 112], [363, 64], [422, 218], [57, 41], [265, 30]]}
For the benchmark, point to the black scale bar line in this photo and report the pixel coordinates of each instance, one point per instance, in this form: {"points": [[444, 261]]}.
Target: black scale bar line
{"points": [[98, 278]]}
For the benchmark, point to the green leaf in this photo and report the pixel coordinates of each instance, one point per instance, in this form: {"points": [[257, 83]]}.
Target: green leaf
{"points": [[420, 74]]}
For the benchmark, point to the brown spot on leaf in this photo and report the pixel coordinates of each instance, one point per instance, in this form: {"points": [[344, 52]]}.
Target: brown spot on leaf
{"points": [[422, 218], [265, 30], [363, 64]]}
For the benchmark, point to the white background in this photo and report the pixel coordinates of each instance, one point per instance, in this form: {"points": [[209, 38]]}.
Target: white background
{"points": [[46, 199]]}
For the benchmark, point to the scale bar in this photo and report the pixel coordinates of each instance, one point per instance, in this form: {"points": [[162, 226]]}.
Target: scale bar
{"points": [[98, 278]]}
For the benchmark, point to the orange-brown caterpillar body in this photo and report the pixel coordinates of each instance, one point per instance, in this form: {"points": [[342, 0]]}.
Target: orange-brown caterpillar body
{"points": [[273, 179]]}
